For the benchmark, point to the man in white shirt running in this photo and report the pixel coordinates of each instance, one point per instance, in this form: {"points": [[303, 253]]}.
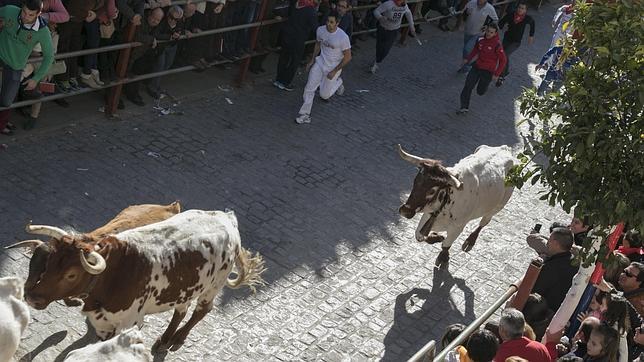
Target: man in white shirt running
{"points": [[334, 47]]}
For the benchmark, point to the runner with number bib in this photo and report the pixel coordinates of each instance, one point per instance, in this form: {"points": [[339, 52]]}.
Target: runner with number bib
{"points": [[389, 15]]}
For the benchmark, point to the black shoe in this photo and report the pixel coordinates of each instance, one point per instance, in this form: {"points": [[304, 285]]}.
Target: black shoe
{"points": [[499, 82], [443, 27], [62, 102], [121, 105], [21, 111], [136, 99], [29, 123]]}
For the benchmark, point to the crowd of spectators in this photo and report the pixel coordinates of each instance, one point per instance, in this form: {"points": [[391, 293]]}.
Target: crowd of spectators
{"points": [[612, 323], [167, 34]]}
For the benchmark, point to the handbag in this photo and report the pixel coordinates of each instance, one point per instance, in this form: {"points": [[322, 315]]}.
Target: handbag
{"points": [[107, 30]]}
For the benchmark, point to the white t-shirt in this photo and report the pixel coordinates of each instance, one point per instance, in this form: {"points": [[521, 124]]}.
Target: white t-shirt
{"points": [[476, 17], [332, 46]]}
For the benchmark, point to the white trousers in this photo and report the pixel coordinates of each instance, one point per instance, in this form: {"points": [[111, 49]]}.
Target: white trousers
{"points": [[317, 78]]}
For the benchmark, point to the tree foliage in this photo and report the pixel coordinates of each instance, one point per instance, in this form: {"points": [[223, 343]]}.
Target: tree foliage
{"points": [[593, 132]]}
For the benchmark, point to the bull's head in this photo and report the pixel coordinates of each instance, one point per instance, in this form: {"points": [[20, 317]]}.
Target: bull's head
{"points": [[60, 268], [431, 185]]}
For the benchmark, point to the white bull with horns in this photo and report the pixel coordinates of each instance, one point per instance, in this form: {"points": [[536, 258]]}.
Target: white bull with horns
{"points": [[450, 197]]}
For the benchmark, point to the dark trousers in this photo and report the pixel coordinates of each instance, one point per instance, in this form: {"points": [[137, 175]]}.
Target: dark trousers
{"points": [[290, 57], [92, 41], [69, 40], [214, 42], [10, 86], [474, 77], [384, 41], [107, 60], [140, 66], [163, 61], [436, 5], [509, 47]]}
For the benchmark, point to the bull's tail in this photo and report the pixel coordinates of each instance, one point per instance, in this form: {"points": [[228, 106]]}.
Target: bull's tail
{"points": [[249, 270]]}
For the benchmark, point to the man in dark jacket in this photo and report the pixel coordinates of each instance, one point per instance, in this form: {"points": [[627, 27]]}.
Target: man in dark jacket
{"points": [[191, 51], [557, 272], [141, 58], [516, 22], [301, 23]]}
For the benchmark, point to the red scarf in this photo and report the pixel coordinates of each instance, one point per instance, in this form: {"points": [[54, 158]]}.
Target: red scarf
{"points": [[518, 18]]}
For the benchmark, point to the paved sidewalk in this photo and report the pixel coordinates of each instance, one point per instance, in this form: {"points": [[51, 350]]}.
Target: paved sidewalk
{"points": [[346, 279]]}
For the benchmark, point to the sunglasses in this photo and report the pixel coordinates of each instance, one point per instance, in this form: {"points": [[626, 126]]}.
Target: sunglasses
{"points": [[628, 274]]}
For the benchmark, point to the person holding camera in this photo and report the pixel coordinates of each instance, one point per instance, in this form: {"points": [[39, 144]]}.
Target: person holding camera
{"points": [[170, 30], [22, 29]]}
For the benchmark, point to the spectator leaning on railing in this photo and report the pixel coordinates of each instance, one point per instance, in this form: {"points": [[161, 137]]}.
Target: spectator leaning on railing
{"points": [[142, 56], [55, 13], [22, 29]]}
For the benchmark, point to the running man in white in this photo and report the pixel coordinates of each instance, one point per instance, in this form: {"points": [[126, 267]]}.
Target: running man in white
{"points": [[334, 48]]}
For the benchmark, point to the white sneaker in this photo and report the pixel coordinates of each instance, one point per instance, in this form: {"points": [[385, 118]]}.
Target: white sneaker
{"points": [[340, 90], [97, 77], [89, 81], [462, 111], [303, 118], [374, 68]]}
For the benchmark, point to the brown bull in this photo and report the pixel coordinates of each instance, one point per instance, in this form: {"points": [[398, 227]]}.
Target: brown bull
{"points": [[149, 269], [129, 218]]}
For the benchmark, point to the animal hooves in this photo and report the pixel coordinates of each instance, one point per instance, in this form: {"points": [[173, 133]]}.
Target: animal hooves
{"points": [[433, 239], [176, 346], [159, 347], [468, 245], [72, 302]]}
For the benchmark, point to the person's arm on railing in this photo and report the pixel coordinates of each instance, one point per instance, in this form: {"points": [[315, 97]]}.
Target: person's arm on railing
{"points": [[48, 58], [410, 20]]}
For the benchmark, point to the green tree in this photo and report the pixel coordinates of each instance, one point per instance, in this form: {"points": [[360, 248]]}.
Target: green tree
{"points": [[593, 133]]}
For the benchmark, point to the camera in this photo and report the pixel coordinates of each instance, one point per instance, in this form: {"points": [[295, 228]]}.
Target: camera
{"points": [[537, 227]]}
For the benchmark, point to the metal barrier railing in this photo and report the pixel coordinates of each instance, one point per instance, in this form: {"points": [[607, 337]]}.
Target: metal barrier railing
{"points": [[132, 44], [477, 323], [426, 354]]}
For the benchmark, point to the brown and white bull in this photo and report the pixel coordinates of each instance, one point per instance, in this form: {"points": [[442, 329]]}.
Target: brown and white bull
{"points": [[149, 269], [450, 197], [129, 218]]}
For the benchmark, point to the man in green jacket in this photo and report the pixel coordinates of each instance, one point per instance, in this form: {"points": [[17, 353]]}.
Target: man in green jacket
{"points": [[20, 30]]}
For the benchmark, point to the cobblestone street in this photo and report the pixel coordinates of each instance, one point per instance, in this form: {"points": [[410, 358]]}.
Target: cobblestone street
{"points": [[346, 278]]}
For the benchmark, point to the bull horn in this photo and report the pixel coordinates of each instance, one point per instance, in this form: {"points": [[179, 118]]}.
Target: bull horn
{"points": [[409, 157], [51, 231], [454, 181], [97, 265], [32, 244]]}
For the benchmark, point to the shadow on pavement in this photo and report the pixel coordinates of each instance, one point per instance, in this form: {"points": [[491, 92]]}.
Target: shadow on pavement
{"points": [[416, 313], [89, 338], [50, 341]]}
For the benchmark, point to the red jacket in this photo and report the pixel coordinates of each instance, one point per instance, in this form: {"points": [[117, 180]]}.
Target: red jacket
{"points": [[491, 56]]}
